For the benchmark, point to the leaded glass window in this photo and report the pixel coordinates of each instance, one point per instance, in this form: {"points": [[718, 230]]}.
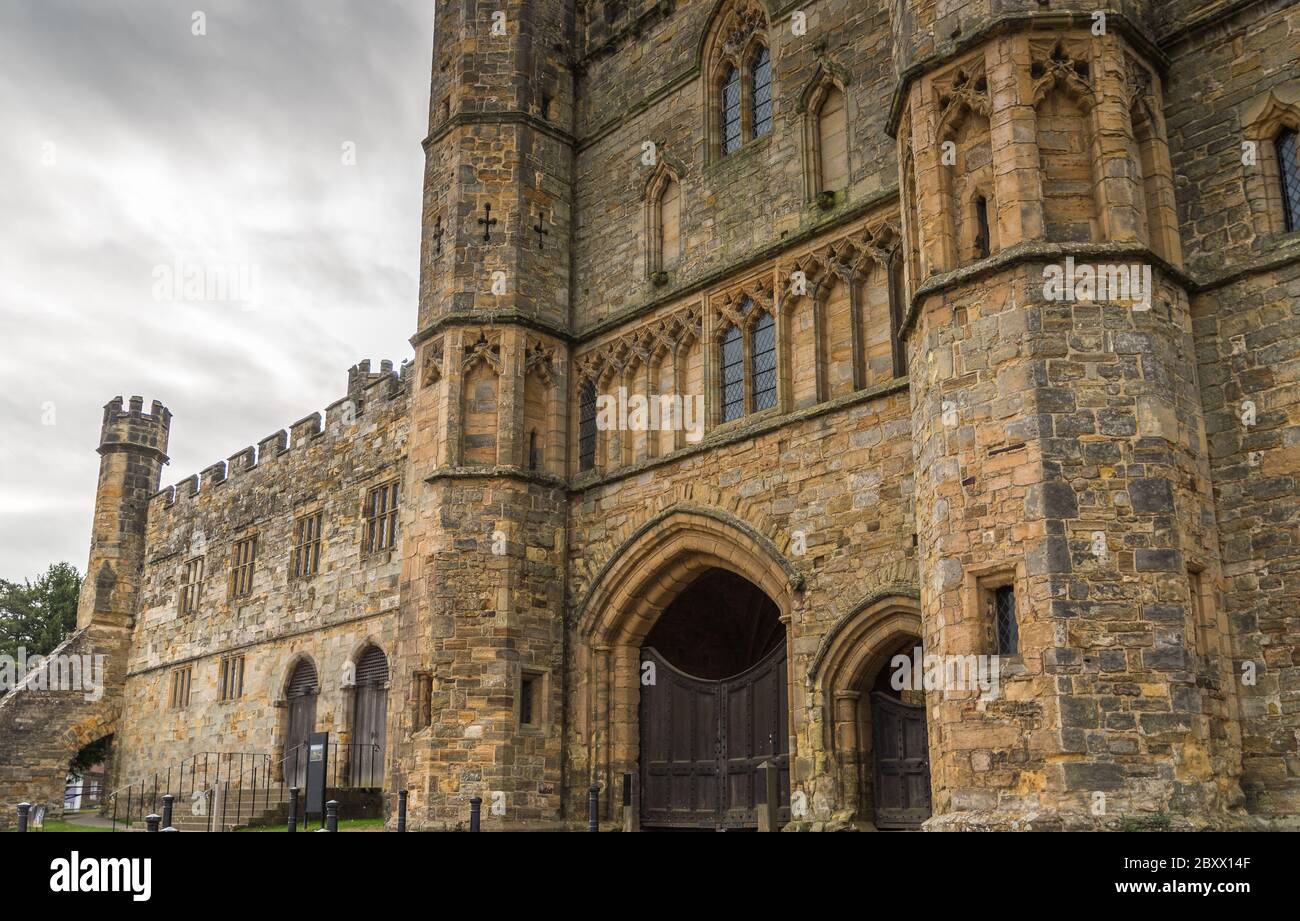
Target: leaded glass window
{"points": [[733, 375], [587, 427], [764, 363], [1288, 162], [731, 111], [762, 76]]}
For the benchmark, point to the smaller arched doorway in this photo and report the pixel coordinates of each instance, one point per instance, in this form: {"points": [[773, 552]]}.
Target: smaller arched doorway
{"points": [[875, 711], [713, 707], [369, 719], [301, 692], [899, 790]]}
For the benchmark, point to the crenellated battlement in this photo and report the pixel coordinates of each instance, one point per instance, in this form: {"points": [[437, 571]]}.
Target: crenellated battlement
{"points": [[124, 429], [365, 388]]}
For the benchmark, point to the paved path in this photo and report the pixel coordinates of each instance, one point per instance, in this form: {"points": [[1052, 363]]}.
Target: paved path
{"points": [[89, 819]]}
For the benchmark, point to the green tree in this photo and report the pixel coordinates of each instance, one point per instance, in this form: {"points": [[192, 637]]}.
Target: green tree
{"points": [[37, 616]]}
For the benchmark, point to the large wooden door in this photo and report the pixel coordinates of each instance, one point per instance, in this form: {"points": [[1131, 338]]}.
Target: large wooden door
{"points": [[902, 762], [702, 742], [370, 715], [301, 693]]}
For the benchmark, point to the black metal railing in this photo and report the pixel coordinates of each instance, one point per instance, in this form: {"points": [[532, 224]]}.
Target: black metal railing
{"points": [[259, 795], [236, 789], [189, 781]]}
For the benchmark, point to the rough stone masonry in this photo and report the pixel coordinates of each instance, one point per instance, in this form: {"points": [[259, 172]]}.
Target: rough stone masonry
{"points": [[829, 221]]}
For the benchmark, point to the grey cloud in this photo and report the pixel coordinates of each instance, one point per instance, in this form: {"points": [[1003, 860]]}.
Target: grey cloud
{"points": [[218, 150]]}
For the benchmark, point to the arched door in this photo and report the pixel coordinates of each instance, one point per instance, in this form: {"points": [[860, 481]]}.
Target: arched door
{"points": [[369, 717], [702, 742], [902, 762], [301, 694]]}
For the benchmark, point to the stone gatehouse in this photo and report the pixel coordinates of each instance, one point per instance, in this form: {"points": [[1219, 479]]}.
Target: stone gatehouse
{"points": [[768, 352]]}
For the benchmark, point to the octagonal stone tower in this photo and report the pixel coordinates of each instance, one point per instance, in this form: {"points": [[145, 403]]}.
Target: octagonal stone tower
{"points": [[1060, 447], [481, 623]]}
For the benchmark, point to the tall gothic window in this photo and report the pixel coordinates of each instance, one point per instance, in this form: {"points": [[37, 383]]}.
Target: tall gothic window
{"points": [[587, 427], [764, 363], [731, 110], [762, 89], [1288, 163], [733, 374]]}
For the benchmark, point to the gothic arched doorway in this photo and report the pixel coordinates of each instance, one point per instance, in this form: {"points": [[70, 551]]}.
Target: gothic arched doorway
{"points": [[877, 726], [300, 694], [900, 759], [713, 707], [369, 719]]}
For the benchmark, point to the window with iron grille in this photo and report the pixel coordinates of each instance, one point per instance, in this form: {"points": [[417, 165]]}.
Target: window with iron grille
{"points": [[1288, 164], [762, 87], [733, 374], [306, 546], [180, 689], [1006, 629], [587, 426], [242, 558], [231, 685], [191, 586], [381, 518], [731, 111], [764, 363]]}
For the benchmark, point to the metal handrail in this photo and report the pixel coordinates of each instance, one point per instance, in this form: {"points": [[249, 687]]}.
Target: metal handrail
{"points": [[173, 781], [263, 778]]}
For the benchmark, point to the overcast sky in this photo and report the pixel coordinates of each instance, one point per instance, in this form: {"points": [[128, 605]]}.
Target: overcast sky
{"points": [[130, 144]]}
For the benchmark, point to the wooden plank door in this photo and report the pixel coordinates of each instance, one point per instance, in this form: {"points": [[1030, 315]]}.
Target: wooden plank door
{"points": [[902, 763]]}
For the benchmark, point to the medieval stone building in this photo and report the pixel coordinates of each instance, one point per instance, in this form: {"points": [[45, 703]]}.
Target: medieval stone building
{"points": [[968, 326]]}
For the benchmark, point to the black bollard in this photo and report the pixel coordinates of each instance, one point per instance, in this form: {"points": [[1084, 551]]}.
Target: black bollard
{"points": [[151, 821], [167, 811], [593, 808], [475, 804], [293, 809], [24, 809], [401, 810], [332, 815]]}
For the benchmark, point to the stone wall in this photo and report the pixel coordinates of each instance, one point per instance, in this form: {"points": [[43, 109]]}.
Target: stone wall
{"points": [[1233, 78], [735, 209], [320, 466]]}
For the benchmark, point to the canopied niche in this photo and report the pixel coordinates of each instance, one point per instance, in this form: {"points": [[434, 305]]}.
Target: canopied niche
{"points": [[1157, 210], [966, 165], [543, 442], [481, 377], [1067, 148]]}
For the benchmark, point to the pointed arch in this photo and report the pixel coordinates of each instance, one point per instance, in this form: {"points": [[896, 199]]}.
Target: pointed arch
{"points": [[727, 67], [1066, 126], [968, 183], [1272, 126], [824, 109], [663, 219]]}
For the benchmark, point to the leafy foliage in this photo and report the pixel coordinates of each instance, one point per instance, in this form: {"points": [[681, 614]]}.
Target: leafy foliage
{"points": [[37, 616]]}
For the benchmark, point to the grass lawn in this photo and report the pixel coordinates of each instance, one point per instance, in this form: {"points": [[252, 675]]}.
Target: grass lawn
{"points": [[60, 825], [344, 825]]}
